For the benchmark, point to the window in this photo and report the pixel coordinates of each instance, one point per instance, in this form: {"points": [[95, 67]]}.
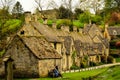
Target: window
{"points": [[22, 32], [114, 32], [55, 45]]}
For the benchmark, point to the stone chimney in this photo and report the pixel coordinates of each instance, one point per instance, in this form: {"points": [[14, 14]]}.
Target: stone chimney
{"points": [[35, 18], [80, 30], [27, 17], [54, 26], [74, 28], [65, 28]]}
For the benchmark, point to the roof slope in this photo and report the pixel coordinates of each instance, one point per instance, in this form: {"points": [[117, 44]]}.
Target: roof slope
{"points": [[46, 31], [113, 30], [40, 47]]}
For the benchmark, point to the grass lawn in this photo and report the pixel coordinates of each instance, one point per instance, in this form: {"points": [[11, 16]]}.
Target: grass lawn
{"points": [[117, 59], [111, 74], [75, 75]]}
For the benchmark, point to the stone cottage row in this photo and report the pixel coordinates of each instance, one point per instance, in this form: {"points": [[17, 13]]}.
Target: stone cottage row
{"points": [[38, 48]]}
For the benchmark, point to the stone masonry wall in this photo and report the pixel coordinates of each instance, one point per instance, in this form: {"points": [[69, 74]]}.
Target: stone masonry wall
{"points": [[46, 65]]}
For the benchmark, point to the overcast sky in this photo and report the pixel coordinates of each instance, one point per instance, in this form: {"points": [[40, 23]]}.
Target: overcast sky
{"points": [[28, 5]]}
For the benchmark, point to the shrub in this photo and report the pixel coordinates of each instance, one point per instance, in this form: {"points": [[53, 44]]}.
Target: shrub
{"points": [[93, 63], [83, 65], [78, 24], [110, 59], [10, 26], [115, 55], [103, 59], [65, 22], [41, 20], [74, 67], [49, 23], [2, 52]]}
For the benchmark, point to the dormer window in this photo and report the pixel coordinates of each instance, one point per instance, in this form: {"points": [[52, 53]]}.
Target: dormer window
{"points": [[114, 32], [22, 32]]}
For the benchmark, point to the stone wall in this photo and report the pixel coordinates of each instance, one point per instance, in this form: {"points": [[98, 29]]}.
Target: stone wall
{"points": [[48, 64]]}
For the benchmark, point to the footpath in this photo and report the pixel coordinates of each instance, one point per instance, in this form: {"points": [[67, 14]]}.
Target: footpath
{"points": [[91, 68]]}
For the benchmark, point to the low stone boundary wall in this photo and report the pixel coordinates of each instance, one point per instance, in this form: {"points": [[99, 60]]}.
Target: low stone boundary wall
{"points": [[91, 68]]}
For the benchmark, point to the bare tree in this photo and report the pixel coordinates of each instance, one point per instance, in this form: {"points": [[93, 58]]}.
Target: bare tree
{"points": [[53, 4], [67, 3], [82, 4], [6, 4], [96, 5], [42, 4]]}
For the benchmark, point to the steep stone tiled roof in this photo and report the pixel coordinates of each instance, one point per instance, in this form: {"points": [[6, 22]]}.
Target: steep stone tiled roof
{"points": [[46, 31], [113, 30], [40, 47], [87, 28]]}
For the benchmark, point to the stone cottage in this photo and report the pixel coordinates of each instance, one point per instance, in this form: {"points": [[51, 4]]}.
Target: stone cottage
{"points": [[39, 48], [100, 45], [33, 56], [111, 32]]}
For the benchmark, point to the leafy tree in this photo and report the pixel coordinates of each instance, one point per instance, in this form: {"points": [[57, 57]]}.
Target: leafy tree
{"points": [[17, 10], [96, 19], [64, 12], [4, 14], [77, 12], [85, 17]]}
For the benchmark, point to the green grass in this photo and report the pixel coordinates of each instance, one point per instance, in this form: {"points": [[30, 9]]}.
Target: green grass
{"points": [[78, 24], [111, 74], [117, 59], [75, 75]]}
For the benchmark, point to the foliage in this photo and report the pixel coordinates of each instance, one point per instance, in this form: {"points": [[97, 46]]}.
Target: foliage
{"points": [[65, 22], [115, 44], [41, 20], [78, 11], [17, 10], [96, 19], [110, 59], [74, 67], [2, 52], [49, 23], [115, 55], [103, 59], [83, 64], [85, 17], [4, 14], [10, 26], [73, 57], [64, 13], [93, 63], [78, 24]]}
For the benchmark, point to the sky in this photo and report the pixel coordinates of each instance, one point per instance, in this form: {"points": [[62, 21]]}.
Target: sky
{"points": [[28, 5]]}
